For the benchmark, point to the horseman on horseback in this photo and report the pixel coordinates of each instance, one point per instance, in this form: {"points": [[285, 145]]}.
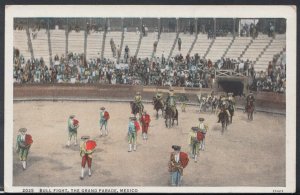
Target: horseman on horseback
{"points": [[159, 98], [171, 103], [138, 101], [158, 103], [222, 100], [213, 96], [223, 110], [231, 100], [214, 101], [231, 105]]}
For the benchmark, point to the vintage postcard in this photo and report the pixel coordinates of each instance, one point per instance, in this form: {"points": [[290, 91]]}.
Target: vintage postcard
{"points": [[104, 98]]}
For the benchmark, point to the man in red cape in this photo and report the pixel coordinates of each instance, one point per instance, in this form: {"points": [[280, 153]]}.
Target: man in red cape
{"points": [[87, 148], [24, 142], [178, 161], [145, 120]]}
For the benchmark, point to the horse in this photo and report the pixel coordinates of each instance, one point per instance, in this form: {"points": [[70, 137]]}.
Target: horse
{"points": [[203, 103], [158, 105], [214, 104], [135, 109], [231, 111], [224, 119], [170, 117], [250, 110]]}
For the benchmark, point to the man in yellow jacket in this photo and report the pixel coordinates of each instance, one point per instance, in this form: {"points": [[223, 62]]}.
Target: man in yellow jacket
{"points": [[194, 142]]}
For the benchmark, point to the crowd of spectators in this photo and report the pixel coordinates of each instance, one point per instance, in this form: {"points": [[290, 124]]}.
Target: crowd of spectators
{"points": [[188, 71], [273, 79], [248, 30]]}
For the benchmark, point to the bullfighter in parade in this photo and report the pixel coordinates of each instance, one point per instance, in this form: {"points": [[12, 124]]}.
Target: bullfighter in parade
{"points": [[24, 142], [73, 125], [133, 128], [195, 137], [250, 98], [87, 148], [138, 101], [145, 121], [178, 161], [203, 128], [104, 117]]}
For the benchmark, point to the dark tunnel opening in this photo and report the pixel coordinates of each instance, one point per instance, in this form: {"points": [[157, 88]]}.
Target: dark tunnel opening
{"points": [[235, 87]]}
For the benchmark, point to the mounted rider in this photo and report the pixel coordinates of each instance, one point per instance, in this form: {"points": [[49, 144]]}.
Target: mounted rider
{"points": [[250, 98], [213, 95], [159, 97], [222, 110], [138, 101], [222, 101], [231, 100], [171, 100]]}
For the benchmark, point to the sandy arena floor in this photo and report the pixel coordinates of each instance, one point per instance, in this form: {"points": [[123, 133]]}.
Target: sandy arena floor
{"points": [[247, 154]]}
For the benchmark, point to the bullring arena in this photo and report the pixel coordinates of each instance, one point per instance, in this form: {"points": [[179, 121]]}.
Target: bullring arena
{"points": [[249, 153]]}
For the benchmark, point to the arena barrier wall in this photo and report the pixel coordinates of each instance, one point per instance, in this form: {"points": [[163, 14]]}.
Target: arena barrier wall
{"points": [[264, 100]]}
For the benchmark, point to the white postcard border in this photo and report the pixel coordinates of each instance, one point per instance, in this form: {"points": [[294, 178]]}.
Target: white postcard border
{"points": [[227, 11]]}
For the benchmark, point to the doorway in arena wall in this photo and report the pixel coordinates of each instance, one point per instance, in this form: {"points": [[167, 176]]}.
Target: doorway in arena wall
{"points": [[235, 87]]}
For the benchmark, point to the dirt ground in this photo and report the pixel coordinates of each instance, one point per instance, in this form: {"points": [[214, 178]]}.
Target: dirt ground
{"points": [[247, 154]]}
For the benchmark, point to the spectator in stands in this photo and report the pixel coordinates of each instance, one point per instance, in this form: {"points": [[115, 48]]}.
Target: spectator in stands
{"points": [[179, 43], [126, 54], [155, 45], [247, 30], [188, 58], [143, 30], [137, 31], [118, 51], [209, 63], [34, 35], [210, 34], [88, 28], [163, 59], [270, 68], [191, 28], [56, 58], [271, 32], [113, 47]]}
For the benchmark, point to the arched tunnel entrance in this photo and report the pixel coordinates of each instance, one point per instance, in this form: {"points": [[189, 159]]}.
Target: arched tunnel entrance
{"points": [[235, 87]]}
